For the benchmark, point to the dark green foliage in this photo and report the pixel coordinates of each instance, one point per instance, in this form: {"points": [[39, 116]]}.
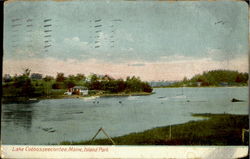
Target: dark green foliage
{"points": [[35, 86], [7, 78], [108, 84], [69, 83], [58, 85], [146, 87], [23, 85], [121, 85], [80, 77], [241, 78], [94, 85], [20, 86], [48, 78], [215, 78], [27, 88], [113, 86], [60, 77]]}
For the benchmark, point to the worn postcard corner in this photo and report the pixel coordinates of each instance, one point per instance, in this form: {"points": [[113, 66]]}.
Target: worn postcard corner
{"points": [[125, 79]]}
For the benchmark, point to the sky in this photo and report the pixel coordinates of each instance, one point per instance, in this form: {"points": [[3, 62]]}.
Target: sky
{"points": [[153, 40]]}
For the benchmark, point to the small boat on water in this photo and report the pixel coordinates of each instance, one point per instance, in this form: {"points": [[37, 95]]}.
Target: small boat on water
{"points": [[133, 97], [162, 97], [180, 96], [236, 100], [90, 98]]}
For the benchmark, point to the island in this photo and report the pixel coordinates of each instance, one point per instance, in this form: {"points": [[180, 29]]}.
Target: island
{"points": [[31, 87], [212, 78]]}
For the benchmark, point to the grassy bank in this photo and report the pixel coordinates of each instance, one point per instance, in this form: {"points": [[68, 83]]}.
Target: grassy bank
{"points": [[215, 129]]}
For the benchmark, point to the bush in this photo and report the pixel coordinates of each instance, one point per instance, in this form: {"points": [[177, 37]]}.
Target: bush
{"points": [[58, 85]]}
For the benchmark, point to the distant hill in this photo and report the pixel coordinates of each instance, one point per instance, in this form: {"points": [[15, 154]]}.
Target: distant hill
{"points": [[215, 78]]}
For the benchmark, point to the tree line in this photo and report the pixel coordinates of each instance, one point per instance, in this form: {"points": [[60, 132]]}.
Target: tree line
{"points": [[35, 84], [216, 78]]}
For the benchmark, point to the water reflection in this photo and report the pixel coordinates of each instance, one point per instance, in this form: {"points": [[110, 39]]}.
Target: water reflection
{"points": [[56, 120], [18, 114]]}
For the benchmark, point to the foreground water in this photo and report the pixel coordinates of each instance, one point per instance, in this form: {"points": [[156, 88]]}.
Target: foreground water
{"points": [[55, 120]]}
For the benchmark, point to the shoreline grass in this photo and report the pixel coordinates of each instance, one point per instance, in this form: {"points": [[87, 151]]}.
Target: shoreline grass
{"points": [[215, 129]]}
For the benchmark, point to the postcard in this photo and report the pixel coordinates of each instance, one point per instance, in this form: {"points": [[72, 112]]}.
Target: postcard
{"points": [[125, 79]]}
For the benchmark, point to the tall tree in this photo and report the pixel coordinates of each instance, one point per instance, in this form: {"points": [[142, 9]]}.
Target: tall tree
{"points": [[80, 77], [60, 77], [48, 78]]}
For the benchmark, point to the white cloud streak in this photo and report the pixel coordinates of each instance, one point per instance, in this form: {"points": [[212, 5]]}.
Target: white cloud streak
{"points": [[159, 70]]}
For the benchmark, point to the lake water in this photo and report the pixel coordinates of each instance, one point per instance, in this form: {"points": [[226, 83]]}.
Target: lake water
{"points": [[54, 120]]}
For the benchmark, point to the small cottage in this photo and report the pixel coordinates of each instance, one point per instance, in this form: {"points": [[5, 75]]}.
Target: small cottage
{"points": [[198, 84], [79, 90]]}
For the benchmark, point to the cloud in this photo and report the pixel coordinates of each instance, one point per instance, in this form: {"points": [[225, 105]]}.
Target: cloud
{"points": [[124, 35], [76, 39], [75, 43], [176, 58], [137, 64], [217, 54], [157, 70], [222, 55], [25, 52]]}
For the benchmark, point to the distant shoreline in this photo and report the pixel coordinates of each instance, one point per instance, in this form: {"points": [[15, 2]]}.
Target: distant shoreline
{"points": [[14, 99], [199, 86], [99, 95], [10, 100]]}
